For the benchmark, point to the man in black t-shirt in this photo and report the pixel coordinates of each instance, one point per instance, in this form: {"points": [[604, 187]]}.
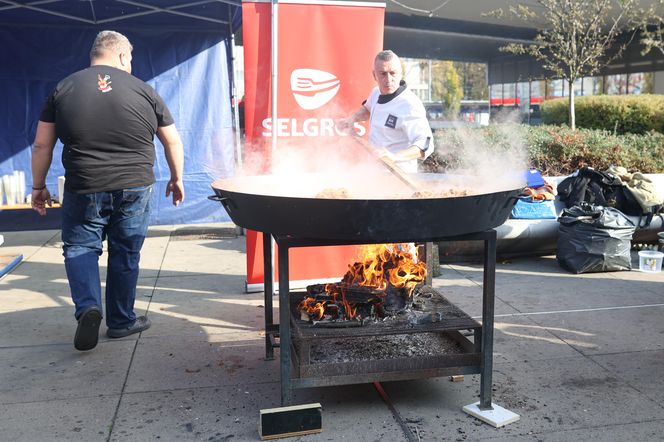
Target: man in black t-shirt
{"points": [[106, 119]]}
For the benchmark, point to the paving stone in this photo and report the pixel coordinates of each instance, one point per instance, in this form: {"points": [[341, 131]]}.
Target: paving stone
{"points": [[80, 419], [50, 372], [177, 363]]}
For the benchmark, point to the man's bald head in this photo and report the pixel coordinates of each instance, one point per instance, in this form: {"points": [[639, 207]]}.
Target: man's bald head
{"points": [[387, 72]]}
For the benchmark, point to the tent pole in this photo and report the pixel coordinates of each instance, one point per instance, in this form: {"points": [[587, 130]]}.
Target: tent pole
{"points": [[236, 104], [274, 54]]}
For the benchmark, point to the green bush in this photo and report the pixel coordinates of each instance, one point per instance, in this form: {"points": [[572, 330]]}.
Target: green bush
{"points": [[555, 150], [620, 114]]}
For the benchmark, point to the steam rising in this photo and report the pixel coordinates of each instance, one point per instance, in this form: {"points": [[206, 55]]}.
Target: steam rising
{"points": [[492, 167], [306, 166]]}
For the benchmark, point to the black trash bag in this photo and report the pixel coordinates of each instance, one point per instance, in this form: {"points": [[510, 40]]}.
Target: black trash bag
{"points": [[594, 239], [598, 188]]}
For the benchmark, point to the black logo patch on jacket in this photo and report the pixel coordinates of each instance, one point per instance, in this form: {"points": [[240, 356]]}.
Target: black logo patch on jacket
{"points": [[391, 121]]}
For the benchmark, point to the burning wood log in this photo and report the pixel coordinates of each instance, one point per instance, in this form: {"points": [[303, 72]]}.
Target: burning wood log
{"points": [[379, 285]]}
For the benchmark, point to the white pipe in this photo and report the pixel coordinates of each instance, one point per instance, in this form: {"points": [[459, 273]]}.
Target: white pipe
{"points": [[274, 53], [274, 67]]}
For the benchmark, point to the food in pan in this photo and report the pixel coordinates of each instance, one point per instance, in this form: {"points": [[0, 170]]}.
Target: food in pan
{"points": [[334, 193], [343, 193], [440, 193]]}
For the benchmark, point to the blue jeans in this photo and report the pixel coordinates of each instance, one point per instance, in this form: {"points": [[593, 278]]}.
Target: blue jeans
{"points": [[120, 216]]}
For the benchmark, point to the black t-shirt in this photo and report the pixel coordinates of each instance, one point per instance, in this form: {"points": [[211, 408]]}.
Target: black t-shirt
{"points": [[106, 119]]}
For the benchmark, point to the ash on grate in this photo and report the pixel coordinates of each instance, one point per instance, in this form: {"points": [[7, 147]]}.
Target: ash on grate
{"points": [[383, 347]]}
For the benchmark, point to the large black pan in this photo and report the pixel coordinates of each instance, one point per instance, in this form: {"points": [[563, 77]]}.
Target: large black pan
{"points": [[363, 219]]}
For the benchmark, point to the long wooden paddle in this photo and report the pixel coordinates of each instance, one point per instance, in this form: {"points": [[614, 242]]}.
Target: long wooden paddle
{"points": [[387, 162]]}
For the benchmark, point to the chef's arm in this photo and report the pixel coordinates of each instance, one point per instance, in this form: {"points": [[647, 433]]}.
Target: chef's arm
{"points": [[410, 153], [174, 151], [362, 114], [345, 124]]}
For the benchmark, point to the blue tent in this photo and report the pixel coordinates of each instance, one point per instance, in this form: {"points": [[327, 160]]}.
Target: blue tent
{"points": [[181, 48]]}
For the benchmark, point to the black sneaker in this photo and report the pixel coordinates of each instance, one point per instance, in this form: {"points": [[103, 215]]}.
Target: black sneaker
{"points": [[87, 331], [140, 324]]}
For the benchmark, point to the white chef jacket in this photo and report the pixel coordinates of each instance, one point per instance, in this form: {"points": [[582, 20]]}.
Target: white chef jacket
{"points": [[398, 121]]}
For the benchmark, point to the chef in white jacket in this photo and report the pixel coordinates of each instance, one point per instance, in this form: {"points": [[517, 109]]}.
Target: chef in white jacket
{"points": [[398, 122]]}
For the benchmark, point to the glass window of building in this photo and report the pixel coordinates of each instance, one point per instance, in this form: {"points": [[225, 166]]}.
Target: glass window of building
{"points": [[523, 95], [588, 86], [593, 85], [496, 94], [578, 86], [559, 88], [640, 83], [537, 91], [509, 94], [616, 84]]}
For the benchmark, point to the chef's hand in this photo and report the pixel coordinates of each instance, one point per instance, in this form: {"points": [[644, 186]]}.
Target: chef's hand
{"points": [[176, 187], [39, 200], [344, 125]]}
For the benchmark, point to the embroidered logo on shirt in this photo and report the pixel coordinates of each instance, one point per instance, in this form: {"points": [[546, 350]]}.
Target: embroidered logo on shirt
{"points": [[391, 121], [104, 83]]}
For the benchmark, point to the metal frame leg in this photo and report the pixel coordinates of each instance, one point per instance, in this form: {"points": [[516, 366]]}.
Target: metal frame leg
{"points": [[428, 256], [268, 291], [284, 326], [488, 294]]}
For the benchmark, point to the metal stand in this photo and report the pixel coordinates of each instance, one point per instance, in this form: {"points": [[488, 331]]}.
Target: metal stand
{"points": [[483, 339]]}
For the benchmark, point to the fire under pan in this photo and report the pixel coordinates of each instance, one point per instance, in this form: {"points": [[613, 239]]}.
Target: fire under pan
{"points": [[300, 368], [396, 348]]}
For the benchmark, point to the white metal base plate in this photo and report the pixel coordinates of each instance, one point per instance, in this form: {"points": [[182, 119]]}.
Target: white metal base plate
{"points": [[498, 416]]}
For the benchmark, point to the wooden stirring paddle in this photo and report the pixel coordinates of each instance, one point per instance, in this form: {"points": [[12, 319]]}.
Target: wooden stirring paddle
{"points": [[388, 162]]}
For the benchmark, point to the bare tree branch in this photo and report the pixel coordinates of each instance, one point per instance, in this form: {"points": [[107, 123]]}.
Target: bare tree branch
{"points": [[576, 34]]}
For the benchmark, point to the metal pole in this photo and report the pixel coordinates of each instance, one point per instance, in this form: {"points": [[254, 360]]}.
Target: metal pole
{"points": [[530, 97], [284, 308], [430, 80], [488, 294], [236, 102], [268, 289], [236, 111], [274, 65], [284, 325], [274, 28]]}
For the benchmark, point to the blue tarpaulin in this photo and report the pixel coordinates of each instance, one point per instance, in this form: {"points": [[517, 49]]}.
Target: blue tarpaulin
{"points": [[188, 65]]}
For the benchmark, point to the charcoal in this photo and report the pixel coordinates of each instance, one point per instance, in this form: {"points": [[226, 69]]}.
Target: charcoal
{"points": [[337, 324], [383, 347]]}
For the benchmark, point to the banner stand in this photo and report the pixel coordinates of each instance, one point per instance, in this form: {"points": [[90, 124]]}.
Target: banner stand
{"points": [[317, 72]]}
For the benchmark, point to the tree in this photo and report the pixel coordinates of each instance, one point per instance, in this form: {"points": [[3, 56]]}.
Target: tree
{"points": [[473, 79], [652, 27], [574, 36], [446, 87]]}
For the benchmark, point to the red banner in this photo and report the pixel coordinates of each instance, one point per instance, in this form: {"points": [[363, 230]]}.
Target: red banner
{"points": [[324, 57]]}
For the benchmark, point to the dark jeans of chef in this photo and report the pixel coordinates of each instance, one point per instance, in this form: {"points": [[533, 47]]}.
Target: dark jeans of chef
{"points": [[121, 217]]}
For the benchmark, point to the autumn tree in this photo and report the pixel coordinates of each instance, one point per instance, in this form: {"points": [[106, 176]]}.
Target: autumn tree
{"points": [[446, 87], [473, 80], [573, 36]]}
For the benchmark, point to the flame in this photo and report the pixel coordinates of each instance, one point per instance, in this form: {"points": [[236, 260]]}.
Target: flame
{"points": [[313, 308], [386, 263], [379, 266]]}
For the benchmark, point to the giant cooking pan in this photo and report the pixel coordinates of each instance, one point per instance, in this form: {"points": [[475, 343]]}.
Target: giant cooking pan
{"points": [[250, 205]]}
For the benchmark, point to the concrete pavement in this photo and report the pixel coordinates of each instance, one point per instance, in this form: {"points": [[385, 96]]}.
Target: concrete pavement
{"points": [[579, 357]]}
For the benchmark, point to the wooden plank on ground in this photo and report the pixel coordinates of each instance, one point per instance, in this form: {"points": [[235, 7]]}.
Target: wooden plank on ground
{"points": [[294, 420]]}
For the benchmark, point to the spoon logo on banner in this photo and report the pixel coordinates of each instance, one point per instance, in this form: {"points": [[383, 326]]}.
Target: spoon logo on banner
{"points": [[313, 88]]}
